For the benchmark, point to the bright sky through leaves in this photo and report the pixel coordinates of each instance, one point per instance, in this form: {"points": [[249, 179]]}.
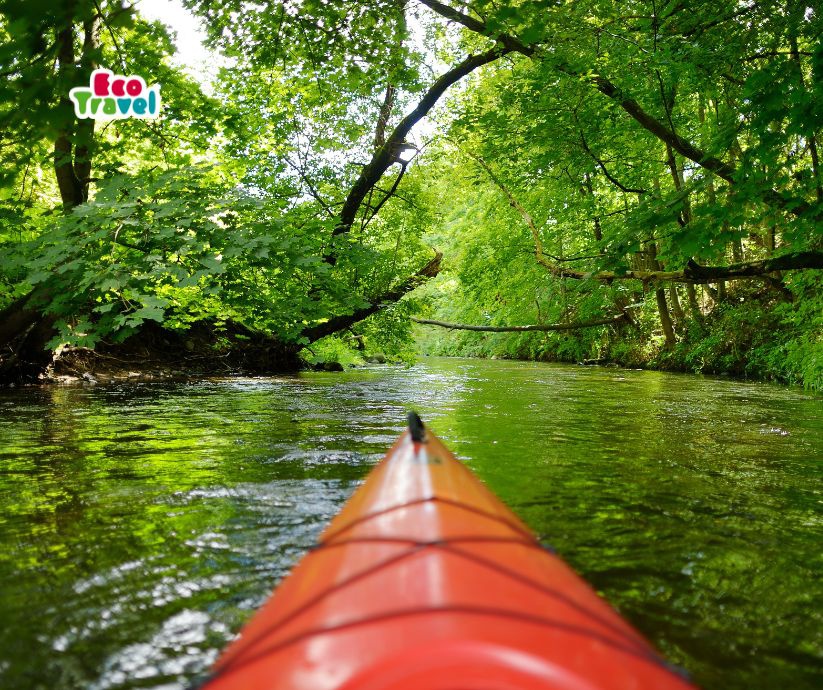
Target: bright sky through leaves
{"points": [[198, 60]]}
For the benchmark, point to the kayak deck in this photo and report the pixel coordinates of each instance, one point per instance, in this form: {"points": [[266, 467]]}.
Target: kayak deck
{"points": [[426, 581]]}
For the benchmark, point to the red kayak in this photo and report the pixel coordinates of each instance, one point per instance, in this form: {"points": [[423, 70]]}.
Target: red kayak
{"points": [[426, 581]]}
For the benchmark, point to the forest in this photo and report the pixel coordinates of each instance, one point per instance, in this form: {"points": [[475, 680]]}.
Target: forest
{"points": [[635, 183]]}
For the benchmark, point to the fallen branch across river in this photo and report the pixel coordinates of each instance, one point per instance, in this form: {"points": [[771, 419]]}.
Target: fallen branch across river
{"points": [[613, 320]]}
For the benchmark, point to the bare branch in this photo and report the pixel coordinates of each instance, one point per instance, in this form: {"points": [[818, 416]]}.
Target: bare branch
{"points": [[312, 191], [386, 195], [376, 304], [383, 117], [387, 154], [609, 176]]}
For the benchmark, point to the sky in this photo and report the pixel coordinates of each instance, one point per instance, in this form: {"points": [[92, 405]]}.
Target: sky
{"points": [[203, 64], [200, 62]]}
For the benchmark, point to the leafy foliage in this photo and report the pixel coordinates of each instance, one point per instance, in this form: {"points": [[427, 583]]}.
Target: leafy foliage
{"points": [[599, 139], [606, 191], [185, 246]]}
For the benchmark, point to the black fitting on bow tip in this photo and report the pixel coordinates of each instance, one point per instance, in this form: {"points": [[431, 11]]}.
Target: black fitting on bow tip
{"points": [[416, 427]]}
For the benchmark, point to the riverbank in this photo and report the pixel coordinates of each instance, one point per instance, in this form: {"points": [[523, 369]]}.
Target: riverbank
{"points": [[751, 338], [157, 353], [758, 340]]}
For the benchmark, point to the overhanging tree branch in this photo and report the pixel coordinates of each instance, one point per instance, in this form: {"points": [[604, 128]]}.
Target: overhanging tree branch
{"points": [[385, 156], [693, 273], [794, 261], [339, 323], [683, 146], [606, 87], [697, 274], [602, 166], [613, 320], [540, 256]]}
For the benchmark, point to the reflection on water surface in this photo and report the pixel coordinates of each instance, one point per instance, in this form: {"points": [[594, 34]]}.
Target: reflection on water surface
{"points": [[142, 524]]}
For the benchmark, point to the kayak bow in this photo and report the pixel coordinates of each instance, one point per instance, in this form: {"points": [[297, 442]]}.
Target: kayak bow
{"points": [[426, 581]]}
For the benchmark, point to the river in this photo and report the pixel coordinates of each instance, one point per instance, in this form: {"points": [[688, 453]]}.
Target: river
{"points": [[141, 524]]}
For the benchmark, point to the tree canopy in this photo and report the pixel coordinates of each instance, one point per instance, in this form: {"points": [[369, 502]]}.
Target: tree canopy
{"points": [[646, 171]]}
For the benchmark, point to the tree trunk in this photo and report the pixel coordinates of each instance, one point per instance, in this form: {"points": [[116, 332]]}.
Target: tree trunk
{"points": [[660, 296], [686, 218], [811, 138], [694, 305], [665, 317], [74, 142], [16, 319], [677, 309], [737, 251], [25, 328], [383, 117], [71, 192], [24, 332], [84, 129], [598, 231], [679, 182], [771, 238]]}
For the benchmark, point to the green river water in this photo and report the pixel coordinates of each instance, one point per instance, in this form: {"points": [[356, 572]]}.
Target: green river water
{"points": [[142, 524]]}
